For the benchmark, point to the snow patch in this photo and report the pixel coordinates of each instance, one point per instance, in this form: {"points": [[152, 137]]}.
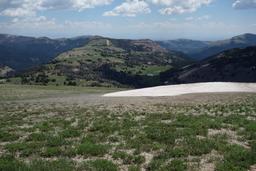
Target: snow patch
{"points": [[175, 90]]}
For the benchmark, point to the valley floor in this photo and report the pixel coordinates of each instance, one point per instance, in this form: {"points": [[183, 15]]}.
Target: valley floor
{"points": [[70, 128]]}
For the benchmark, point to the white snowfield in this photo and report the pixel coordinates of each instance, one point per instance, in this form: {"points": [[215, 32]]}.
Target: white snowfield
{"points": [[175, 90]]}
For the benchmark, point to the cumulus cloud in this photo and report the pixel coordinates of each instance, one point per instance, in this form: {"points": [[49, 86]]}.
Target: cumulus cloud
{"points": [[83, 4], [244, 4], [180, 7], [21, 8], [17, 12], [129, 8], [41, 25]]}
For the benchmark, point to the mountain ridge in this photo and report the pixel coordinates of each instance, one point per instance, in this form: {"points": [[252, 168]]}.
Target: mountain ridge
{"points": [[108, 62], [199, 50], [235, 65], [103, 61], [22, 52]]}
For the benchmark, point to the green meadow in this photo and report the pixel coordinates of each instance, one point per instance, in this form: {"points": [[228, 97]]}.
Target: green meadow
{"points": [[155, 137]]}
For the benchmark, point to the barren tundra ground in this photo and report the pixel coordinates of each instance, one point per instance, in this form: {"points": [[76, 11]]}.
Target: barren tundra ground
{"points": [[58, 128]]}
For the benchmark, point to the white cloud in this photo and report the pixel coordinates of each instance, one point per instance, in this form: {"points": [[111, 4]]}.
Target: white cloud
{"points": [[244, 4], [83, 4], [205, 17], [17, 12], [173, 10], [180, 6], [35, 22], [21, 8], [49, 26], [130, 8], [110, 13]]}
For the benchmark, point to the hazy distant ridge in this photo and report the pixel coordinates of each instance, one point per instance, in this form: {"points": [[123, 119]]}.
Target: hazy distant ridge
{"points": [[202, 49]]}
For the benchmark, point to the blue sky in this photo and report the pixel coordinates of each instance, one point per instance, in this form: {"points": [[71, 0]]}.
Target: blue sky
{"points": [[135, 19]]}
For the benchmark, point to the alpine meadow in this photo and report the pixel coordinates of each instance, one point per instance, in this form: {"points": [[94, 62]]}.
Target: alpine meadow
{"points": [[127, 85]]}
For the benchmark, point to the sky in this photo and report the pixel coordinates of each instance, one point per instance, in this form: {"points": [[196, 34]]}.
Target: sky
{"points": [[133, 19]]}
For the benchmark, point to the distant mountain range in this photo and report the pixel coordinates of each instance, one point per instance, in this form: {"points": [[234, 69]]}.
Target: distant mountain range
{"points": [[20, 52], [108, 62], [235, 65], [186, 46], [101, 61], [202, 49]]}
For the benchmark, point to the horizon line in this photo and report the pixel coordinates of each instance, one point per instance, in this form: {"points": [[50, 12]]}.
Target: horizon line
{"points": [[118, 38]]}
